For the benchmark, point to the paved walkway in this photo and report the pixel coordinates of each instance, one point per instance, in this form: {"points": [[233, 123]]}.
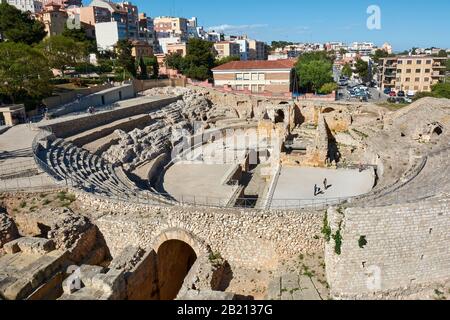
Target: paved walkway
{"points": [[296, 184]]}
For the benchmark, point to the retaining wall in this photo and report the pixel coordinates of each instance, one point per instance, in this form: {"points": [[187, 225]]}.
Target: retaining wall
{"points": [[407, 247]]}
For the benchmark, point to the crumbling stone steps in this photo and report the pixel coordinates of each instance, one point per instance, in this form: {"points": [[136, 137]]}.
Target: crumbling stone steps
{"points": [[85, 169]]}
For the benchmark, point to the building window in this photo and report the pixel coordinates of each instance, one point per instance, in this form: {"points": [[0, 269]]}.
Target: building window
{"points": [[409, 62], [399, 70], [400, 61], [428, 62], [425, 88], [247, 76], [408, 70], [239, 87], [239, 76], [418, 70], [416, 88], [254, 76], [261, 88], [426, 79], [407, 79], [417, 80], [419, 61], [262, 77]]}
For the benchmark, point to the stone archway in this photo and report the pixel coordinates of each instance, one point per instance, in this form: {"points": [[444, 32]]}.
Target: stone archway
{"points": [[175, 259], [177, 250]]}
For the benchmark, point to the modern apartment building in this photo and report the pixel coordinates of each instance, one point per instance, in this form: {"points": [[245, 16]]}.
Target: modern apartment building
{"points": [[227, 49], [92, 15], [54, 19], [257, 50], [108, 33], [147, 29], [171, 27], [411, 73], [32, 6], [256, 76]]}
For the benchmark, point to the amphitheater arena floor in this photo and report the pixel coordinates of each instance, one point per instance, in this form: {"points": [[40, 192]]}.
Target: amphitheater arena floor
{"points": [[298, 183]]}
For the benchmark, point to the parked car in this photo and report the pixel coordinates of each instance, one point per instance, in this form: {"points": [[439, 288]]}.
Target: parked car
{"points": [[387, 91], [392, 94], [401, 94]]}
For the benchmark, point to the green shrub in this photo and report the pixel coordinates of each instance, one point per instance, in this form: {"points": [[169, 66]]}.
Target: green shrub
{"points": [[326, 229], [362, 242], [338, 242]]}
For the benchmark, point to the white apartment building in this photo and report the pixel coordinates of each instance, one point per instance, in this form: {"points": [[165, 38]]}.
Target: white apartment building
{"points": [[108, 33], [32, 6]]}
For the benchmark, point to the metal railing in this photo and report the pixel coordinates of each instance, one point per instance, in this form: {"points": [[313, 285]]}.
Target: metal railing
{"points": [[386, 196]]}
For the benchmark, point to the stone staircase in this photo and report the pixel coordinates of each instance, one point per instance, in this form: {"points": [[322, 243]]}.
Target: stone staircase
{"points": [[85, 170], [432, 179]]}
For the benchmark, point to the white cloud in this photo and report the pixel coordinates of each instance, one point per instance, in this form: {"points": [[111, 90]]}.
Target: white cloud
{"points": [[237, 28]]}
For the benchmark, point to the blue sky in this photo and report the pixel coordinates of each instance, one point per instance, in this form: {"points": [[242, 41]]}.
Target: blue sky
{"points": [[404, 23]]}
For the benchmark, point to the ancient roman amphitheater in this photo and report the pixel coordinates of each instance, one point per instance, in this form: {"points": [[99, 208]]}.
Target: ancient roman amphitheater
{"points": [[190, 193]]}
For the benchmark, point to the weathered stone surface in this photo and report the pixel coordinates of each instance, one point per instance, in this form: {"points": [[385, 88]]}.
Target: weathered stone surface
{"points": [[8, 229], [30, 246]]}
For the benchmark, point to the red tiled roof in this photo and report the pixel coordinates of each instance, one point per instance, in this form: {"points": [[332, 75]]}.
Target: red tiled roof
{"points": [[256, 64]]}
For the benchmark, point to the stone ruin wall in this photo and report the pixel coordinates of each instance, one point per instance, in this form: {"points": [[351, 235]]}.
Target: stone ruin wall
{"points": [[407, 245], [246, 239]]}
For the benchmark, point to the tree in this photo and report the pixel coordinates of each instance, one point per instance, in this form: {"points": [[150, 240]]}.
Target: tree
{"points": [[379, 53], [174, 61], [442, 53], [152, 62], [342, 51], [24, 72], [125, 58], [314, 70], [63, 52], [79, 35], [328, 88], [362, 69], [143, 69], [17, 26], [347, 70], [199, 59], [198, 62], [226, 60]]}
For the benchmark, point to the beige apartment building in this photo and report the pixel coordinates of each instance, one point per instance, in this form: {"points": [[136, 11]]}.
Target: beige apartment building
{"points": [[54, 18], [256, 76], [257, 50], [179, 48], [227, 49], [170, 26], [411, 73]]}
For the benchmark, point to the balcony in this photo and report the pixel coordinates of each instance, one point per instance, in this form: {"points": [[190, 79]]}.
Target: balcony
{"points": [[438, 74], [438, 65]]}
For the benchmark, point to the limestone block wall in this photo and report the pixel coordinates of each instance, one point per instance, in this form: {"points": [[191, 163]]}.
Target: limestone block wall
{"points": [[407, 249], [69, 128], [248, 239]]}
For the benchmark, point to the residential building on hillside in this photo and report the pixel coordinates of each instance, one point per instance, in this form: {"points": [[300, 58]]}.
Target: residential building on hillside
{"points": [[147, 30], [276, 77], [179, 48], [362, 48], [108, 33], [163, 43], [257, 50], [167, 27], [92, 15], [141, 49], [32, 6], [243, 48], [54, 18], [65, 3], [411, 73], [227, 49]]}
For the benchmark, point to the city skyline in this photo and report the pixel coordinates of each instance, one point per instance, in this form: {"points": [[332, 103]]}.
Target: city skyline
{"points": [[317, 21]]}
